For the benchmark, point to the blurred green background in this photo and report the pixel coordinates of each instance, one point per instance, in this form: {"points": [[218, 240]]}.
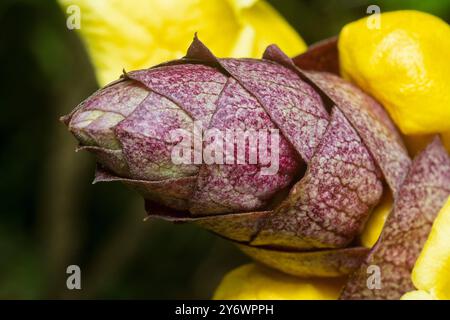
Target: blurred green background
{"points": [[51, 216]]}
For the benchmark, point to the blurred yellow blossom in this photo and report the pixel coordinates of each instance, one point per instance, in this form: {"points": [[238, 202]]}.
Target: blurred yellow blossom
{"points": [[256, 282], [137, 34]]}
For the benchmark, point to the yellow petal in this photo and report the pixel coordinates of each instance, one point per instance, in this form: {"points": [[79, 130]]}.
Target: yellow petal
{"points": [[137, 34], [270, 27], [376, 221], [417, 295], [405, 65], [432, 270], [256, 282]]}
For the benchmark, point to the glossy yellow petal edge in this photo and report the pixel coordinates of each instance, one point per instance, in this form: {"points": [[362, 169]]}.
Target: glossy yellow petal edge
{"points": [[256, 282], [375, 223], [431, 272], [404, 64], [137, 34]]}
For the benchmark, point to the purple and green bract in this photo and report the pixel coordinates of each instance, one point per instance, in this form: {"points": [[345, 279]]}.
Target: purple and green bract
{"points": [[338, 153]]}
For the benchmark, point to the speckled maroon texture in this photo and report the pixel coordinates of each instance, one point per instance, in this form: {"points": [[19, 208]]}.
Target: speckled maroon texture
{"points": [[372, 124], [330, 204], [336, 147], [240, 187], [195, 88], [422, 195]]}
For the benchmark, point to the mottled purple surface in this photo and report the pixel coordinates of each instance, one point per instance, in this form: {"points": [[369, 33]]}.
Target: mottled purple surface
{"points": [[371, 123], [195, 88], [420, 198], [292, 104], [241, 187], [328, 207], [146, 139], [343, 137], [94, 122]]}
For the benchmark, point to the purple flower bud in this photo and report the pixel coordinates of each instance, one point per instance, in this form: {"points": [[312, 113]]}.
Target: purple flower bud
{"points": [[287, 160]]}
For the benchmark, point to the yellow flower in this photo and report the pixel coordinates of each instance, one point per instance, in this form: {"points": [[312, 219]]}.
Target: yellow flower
{"points": [[404, 64], [137, 34], [431, 273], [256, 282]]}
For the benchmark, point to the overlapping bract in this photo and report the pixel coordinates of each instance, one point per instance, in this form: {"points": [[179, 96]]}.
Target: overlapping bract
{"points": [[337, 147], [422, 195]]}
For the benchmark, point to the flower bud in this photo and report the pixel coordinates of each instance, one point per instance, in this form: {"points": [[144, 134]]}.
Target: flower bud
{"points": [[286, 160]]}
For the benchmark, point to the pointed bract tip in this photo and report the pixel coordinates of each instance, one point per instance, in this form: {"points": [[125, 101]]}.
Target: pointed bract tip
{"points": [[275, 54], [65, 119], [199, 51], [322, 56], [124, 74]]}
